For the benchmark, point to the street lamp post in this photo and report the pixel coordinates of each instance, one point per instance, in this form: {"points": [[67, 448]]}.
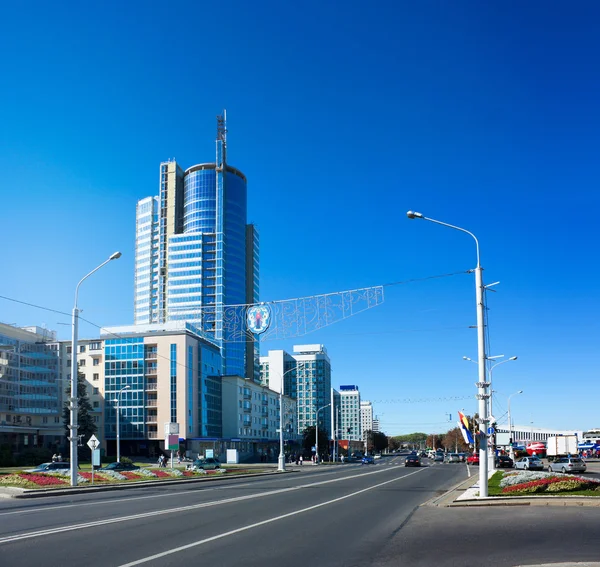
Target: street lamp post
{"points": [[482, 384], [281, 459], [118, 425], [510, 439], [73, 427], [317, 434]]}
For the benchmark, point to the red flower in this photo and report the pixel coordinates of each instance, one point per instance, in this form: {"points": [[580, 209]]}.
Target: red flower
{"points": [[42, 480], [162, 474], [129, 475]]}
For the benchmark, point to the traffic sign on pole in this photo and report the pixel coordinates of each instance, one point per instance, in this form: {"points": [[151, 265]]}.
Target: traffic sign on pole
{"points": [[93, 443]]}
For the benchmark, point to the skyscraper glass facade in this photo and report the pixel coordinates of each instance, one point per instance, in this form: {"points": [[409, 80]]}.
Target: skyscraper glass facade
{"points": [[195, 254], [124, 366]]}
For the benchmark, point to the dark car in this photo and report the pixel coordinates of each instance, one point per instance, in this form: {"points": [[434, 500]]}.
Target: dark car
{"points": [[503, 461], [119, 467], [207, 464], [368, 460], [50, 467], [412, 461]]}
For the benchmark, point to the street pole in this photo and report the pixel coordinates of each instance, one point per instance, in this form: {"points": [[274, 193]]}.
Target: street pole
{"points": [[492, 452], [73, 406], [118, 425], [281, 459], [510, 439], [317, 434], [482, 384]]}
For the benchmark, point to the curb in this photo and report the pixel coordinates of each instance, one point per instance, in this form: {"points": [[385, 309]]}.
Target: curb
{"points": [[43, 493]]}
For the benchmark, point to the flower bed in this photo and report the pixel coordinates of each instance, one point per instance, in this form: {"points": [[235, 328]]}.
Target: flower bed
{"points": [[526, 482], [163, 474]]}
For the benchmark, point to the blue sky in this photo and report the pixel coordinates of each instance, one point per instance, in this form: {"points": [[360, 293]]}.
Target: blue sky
{"points": [[482, 115]]}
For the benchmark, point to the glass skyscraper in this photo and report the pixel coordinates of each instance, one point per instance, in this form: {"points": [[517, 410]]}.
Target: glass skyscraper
{"points": [[196, 254]]}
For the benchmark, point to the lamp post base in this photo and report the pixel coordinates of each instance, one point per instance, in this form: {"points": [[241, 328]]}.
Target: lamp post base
{"points": [[281, 463]]}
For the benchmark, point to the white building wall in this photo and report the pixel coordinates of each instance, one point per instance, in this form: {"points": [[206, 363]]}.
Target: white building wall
{"points": [[366, 418]]}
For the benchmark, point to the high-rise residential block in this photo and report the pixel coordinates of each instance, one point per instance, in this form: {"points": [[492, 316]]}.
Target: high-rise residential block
{"points": [[350, 418], [366, 418]]}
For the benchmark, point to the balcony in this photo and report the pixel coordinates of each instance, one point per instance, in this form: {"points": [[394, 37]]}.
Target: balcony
{"points": [[151, 403], [265, 411], [151, 386], [247, 394], [152, 435], [248, 408], [151, 371], [150, 355], [265, 401]]}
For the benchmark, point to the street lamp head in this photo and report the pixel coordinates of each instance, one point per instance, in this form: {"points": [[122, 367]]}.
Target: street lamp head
{"points": [[115, 256], [414, 215], [513, 358], [520, 392], [128, 387]]}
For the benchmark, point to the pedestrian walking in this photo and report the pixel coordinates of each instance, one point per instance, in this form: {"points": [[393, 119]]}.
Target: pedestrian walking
{"points": [[301, 459]]}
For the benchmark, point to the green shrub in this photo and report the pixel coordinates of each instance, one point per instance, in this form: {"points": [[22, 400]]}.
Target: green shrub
{"points": [[126, 461]]}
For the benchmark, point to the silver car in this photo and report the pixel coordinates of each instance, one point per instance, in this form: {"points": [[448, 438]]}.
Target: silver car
{"points": [[530, 464], [567, 465]]}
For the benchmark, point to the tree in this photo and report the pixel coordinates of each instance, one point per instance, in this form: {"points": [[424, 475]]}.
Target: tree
{"points": [[411, 439], [393, 443], [85, 420], [309, 437], [453, 441], [380, 441]]}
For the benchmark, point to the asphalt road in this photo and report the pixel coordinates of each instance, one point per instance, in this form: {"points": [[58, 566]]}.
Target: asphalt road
{"points": [[334, 516]]}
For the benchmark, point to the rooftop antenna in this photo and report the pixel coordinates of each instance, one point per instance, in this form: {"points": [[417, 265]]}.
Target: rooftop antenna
{"points": [[222, 138]]}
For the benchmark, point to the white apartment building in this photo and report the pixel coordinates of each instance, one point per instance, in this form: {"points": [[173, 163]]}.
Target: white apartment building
{"points": [[90, 361], [306, 377], [251, 412], [366, 418], [350, 415], [376, 424]]}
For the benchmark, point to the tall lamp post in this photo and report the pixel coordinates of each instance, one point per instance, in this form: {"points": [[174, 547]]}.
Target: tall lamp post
{"points": [[118, 424], [482, 384], [281, 459], [510, 439], [73, 427], [317, 434]]}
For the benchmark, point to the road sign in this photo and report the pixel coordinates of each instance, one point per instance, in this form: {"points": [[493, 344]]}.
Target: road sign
{"points": [[491, 430], [93, 443], [172, 442], [171, 429]]}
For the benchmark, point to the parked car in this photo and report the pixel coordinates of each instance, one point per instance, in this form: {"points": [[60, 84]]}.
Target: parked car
{"points": [[412, 461], [504, 461], [119, 467], [567, 465], [530, 464], [50, 467], [439, 458], [368, 460], [452, 458], [207, 464], [473, 459]]}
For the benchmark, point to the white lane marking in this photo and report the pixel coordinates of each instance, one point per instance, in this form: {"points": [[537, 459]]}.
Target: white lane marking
{"points": [[264, 522], [200, 490], [61, 529]]}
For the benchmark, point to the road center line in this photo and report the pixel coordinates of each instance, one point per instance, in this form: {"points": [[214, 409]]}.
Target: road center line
{"points": [[51, 531], [264, 522]]}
